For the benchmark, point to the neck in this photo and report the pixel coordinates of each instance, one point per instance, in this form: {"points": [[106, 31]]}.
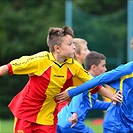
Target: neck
{"points": [[81, 62], [59, 58], [92, 73]]}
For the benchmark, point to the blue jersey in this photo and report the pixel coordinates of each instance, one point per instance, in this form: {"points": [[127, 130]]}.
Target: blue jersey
{"points": [[118, 118], [81, 104]]}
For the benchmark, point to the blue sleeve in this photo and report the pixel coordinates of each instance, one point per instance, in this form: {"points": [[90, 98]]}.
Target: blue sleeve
{"points": [[101, 105], [103, 79]]}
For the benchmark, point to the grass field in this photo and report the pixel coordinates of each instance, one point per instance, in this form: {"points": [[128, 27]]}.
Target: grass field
{"points": [[6, 126]]}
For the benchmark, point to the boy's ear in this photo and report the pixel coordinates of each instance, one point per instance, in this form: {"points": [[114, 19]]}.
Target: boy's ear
{"points": [[57, 48], [76, 55], [93, 67]]}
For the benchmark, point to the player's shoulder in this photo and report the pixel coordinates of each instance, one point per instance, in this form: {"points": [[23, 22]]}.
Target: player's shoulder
{"points": [[130, 63], [41, 55], [77, 63], [128, 66], [125, 68], [74, 62]]}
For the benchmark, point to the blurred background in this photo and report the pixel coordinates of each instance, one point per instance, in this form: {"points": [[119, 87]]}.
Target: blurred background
{"points": [[24, 26]]}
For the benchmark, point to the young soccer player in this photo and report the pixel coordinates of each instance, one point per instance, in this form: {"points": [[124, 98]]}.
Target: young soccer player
{"points": [[119, 118], [83, 103], [34, 107]]}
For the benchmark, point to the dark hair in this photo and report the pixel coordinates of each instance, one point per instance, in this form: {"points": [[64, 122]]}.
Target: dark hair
{"points": [[93, 58], [55, 35]]}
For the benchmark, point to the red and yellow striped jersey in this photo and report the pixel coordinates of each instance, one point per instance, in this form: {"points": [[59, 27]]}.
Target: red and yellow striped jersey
{"points": [[47, 78]]}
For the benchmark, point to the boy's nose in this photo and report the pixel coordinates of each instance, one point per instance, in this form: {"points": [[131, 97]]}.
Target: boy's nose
{"points": [[73, 46], [88, 51]]}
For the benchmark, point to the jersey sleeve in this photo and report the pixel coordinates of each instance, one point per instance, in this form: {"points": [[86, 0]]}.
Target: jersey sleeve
{"points": [[26, 64], [101, 105], [96, 89], [81, 73]]}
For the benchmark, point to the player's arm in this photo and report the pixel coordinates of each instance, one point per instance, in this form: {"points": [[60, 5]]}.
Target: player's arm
{"points": [[101, 105], [114, 97], [107, 77], [102, 91], [3, 70]]}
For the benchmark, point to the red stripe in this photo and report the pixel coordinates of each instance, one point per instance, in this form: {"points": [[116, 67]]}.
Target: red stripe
{"points": [[10, 69], [96, 89], [69, 81], [61, 105]]}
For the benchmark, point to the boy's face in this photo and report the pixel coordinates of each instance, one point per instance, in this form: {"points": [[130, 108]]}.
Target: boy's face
{"points": [[67, 48], [83, 53], [101, 68]]}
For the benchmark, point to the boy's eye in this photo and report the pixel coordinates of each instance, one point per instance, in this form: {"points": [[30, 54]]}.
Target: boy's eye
{"points": [[85, 49], [69, 43]]}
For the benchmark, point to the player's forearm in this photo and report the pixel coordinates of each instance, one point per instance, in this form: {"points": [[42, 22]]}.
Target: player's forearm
{"points": [[3, 70], [104, 92], [117, 97], [101, 105]]}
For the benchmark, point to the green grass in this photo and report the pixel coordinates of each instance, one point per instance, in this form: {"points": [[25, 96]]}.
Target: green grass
{"points": [[97, 128], [6, 126]]}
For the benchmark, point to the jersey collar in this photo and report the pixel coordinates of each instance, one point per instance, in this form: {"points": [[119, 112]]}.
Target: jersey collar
{"points": [[68, 60]]}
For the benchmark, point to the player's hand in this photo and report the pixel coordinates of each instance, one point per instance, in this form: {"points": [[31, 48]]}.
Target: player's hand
{"points": [[73, 119], [61, 97], [69, 100], [117, 98]]}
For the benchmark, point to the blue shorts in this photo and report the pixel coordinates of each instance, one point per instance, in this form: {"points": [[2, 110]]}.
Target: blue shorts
{"points": [[105, 130], [71, 130], [64, 130]]}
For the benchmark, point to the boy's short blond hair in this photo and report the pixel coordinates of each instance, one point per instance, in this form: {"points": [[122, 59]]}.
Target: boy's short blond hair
{"points": [[78, 42], [55, 36]]}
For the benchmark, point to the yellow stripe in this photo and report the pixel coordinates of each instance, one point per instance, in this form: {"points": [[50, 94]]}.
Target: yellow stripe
{"points": [[90, 98], [123, 78], [15, 121], [45, 114]]}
